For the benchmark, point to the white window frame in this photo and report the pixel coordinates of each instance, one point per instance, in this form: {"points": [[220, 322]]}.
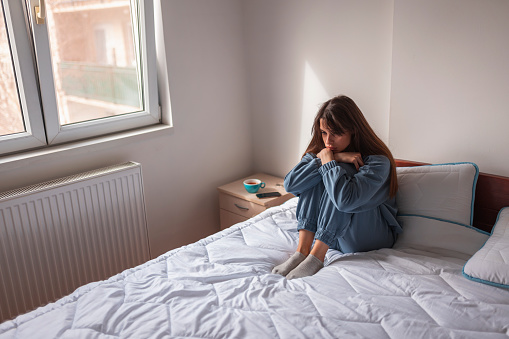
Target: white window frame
{"points": [[43, 125], [34, 136]]}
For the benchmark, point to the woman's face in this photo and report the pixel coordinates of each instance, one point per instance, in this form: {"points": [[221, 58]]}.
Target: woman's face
{"points": [[336, 143]]}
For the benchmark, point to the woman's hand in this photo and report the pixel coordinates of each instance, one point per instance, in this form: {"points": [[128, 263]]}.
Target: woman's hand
{"points": [[325, 155], [349, 158]]}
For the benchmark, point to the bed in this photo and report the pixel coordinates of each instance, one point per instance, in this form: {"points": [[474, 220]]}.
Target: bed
{"points": [[446, 277]]}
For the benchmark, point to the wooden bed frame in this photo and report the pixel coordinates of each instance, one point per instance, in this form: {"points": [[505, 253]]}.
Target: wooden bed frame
{"points": [[491, 195]]}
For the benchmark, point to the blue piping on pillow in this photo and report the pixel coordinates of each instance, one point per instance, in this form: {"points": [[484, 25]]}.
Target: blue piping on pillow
{"points": [[487, 282], [482, 280], [445, 220], [498, 216], [473, 187]]}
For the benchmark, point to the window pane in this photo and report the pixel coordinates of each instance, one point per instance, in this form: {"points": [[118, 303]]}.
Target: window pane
{"points": [[94, 60], [11, 119]]}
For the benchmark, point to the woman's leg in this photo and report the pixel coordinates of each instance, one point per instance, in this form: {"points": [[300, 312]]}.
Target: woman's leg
{"points": [[305, 241], [319, 250], [308, 208], [345, 232], [331, 222], [307, 211]]}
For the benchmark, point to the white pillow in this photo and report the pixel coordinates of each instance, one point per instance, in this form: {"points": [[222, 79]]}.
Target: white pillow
{"points": [[490, 265], [444, 192], [431, 234]]}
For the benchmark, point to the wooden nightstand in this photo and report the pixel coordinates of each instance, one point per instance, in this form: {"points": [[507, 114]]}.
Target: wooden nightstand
{"points": [[237, 205]]}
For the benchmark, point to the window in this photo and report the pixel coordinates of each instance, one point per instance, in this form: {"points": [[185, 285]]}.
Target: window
{"points": [[74, 69]]}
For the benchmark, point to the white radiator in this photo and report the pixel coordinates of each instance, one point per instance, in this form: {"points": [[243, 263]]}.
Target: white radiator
{"points": [[61, 234]]}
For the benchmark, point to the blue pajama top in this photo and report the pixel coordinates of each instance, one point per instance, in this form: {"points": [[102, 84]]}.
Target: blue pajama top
{"points": [[355, 193]]}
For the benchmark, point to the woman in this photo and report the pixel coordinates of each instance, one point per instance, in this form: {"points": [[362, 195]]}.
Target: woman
{"points": [[346, 183]]}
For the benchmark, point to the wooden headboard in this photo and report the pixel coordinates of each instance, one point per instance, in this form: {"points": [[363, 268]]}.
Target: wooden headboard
{"points": [[491, 194]]}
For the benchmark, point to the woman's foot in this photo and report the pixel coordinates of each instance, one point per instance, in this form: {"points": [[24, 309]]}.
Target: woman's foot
{"points": [[307, 267], [290, 264]]}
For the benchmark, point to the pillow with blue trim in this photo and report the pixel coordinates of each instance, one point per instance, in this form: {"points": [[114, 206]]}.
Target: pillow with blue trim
{"points": [[442, 192], [490, 265], [439, 236]]}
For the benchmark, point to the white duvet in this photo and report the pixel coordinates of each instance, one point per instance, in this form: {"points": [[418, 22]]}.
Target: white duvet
{"points": [[222, 287]]}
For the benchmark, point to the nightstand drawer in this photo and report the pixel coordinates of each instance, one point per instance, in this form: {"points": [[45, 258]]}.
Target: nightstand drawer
{"points": [[228, 218], [239, 206]]}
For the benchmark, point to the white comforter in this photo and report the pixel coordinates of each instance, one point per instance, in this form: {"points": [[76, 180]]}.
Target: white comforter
{"points": [[221, 287]]}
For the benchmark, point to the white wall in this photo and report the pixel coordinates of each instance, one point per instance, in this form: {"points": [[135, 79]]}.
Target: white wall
{"points": [[302, 52], [209, 145], [450, 82]]}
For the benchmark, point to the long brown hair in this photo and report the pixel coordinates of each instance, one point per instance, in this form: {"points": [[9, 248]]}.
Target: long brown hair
{"points": [[341, 114]]}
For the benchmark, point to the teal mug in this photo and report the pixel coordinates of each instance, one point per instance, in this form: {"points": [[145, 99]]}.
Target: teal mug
{"points": [[253, 185]]}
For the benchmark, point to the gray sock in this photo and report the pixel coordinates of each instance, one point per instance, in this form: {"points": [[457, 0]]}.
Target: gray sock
{"points": [[308, 267], [290, 264]]}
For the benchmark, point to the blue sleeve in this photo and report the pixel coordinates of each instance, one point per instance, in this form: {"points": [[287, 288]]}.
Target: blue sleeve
{"points": [[304, 175], [361, 191]]}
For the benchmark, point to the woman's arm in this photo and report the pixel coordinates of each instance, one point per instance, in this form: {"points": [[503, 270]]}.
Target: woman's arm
{"points": [[354, 158], [304, 175], [361, 191]]}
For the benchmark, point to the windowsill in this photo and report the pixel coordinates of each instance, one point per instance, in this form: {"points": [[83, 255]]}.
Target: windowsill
{"points": [[160, 128]]}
